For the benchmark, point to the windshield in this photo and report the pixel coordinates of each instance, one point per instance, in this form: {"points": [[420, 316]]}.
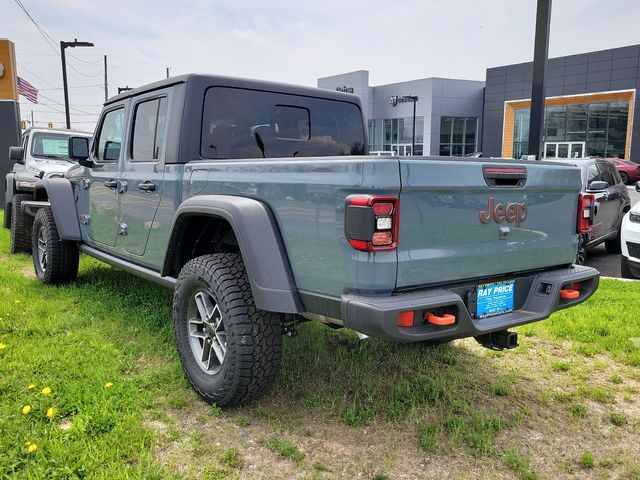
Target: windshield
{"points": [[50, 145]]}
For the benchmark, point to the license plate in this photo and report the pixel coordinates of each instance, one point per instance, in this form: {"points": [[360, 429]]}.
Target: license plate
{"points": [[494, 299]]}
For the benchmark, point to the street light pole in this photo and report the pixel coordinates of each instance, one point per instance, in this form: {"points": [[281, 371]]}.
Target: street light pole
{"points": [[414, 99], [413, 136], [540, 54], [64, 45]]}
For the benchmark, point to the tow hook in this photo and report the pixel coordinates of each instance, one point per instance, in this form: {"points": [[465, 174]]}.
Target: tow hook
{"points": [[498, 340]]}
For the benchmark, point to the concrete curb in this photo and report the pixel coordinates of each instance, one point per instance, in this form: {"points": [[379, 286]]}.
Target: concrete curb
{"points": [[621, 279]]}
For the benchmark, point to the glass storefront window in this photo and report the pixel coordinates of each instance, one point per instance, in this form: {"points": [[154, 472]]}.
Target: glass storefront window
{"points": [[397, 135], [458, 135], [603, 126]]}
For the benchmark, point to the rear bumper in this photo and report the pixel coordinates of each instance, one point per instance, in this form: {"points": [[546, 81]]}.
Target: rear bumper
{"points": [[539, 297]]}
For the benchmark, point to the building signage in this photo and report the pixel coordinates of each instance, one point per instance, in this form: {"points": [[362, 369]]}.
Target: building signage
{"points": [[395, 100], [345, 89]]}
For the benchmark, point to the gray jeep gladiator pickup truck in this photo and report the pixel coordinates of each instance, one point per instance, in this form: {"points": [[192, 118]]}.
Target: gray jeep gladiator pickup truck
{"points": [[257, 203]]}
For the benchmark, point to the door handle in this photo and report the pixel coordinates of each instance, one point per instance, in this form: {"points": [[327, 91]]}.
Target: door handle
{"points": [[147, 186], [111, 183]]}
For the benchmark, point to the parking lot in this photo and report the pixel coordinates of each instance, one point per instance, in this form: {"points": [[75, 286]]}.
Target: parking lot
{"points": [[609, 264]]}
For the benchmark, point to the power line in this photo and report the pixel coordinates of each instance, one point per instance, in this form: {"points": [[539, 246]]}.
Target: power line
{"points": [[51, 41], [62, 105]]}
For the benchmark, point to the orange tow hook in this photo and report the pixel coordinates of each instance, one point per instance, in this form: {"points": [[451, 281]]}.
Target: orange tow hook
{"points": [[446, 319], [567, 294]]}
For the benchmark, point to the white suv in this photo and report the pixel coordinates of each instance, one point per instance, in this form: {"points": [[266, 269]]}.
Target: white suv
{"points": [[630, 240]]}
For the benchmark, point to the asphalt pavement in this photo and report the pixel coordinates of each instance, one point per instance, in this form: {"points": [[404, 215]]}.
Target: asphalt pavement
{"points": [[608, 264]]}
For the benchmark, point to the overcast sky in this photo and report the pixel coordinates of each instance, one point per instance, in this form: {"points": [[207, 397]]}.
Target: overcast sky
{"points": [[289, 41]]}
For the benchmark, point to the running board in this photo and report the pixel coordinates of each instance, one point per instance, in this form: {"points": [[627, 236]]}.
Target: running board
{"points": [[146, 273]]}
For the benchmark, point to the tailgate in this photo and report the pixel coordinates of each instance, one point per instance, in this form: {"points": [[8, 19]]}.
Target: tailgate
{"points": [[464, 219]]}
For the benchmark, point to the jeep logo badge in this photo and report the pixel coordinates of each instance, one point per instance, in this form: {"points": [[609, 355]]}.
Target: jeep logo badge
{"points": [[500, 212]]}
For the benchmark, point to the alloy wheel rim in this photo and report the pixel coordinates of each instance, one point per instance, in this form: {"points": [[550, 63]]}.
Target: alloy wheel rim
{"points": [[42, 250], [207, 334]]}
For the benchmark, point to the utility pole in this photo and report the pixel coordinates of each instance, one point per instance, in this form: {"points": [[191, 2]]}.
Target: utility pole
{"points": [[540, 54], [106, 90], [32, 124], [64, 45], [168, 68]]}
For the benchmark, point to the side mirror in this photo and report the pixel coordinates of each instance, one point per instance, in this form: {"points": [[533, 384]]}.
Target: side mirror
{"points": [[16, 154], [598, 186], [637, 186], [79, 150]]}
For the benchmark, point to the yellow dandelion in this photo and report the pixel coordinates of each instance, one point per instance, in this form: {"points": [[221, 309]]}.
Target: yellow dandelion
{"points": [[2, 346], [26, 410], [46, 391], [108, 385], [32, 447], [17, 301], [31, 386], [51, 412]]}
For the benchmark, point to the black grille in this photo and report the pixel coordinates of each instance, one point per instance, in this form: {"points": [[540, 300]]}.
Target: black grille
{"points": [[634, 249], [634, 217]]}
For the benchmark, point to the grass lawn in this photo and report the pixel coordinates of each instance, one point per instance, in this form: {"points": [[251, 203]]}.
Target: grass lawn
{"points": [[91, 386]]}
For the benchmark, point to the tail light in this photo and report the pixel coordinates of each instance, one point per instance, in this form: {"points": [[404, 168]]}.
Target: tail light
{"points": [[586, 212], [371, 222]]}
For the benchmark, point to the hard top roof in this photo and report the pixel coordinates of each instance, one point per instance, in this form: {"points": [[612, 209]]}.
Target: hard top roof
{"points": [[220, 80], [56, 130]]}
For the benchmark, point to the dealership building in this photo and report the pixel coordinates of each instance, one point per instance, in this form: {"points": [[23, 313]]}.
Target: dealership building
{"points": [[589, 109]]}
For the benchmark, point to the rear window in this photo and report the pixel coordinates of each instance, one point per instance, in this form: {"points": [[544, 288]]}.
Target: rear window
{"points": [[255, 124]]}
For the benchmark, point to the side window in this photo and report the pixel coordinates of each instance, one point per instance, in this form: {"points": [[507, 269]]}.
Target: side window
{"points": [[605, 174], [149, 130], [614, 174], [110, 136], [593, 174]]}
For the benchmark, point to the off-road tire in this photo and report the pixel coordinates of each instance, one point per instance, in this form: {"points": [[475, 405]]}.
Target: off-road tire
{"points": [[21, 224], [613, 245], [62, 256], [6, 220], [625, 271], [253, 337]]}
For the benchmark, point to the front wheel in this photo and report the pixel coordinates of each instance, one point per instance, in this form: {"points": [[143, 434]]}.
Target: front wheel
{"points": [[624, 177], [230, 351], [21, 224], [55, 260]]}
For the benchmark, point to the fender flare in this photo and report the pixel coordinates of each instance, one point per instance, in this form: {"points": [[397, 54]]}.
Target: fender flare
{"points": [[265, 258], [63, 203]]}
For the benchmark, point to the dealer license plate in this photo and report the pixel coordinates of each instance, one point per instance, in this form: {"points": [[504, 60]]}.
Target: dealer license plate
{"points": [[494, 298]]}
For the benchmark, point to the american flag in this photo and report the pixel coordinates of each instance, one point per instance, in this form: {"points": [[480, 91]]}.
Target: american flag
{"points": [[27, 90]]}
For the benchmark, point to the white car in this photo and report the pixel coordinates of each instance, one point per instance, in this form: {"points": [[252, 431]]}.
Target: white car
{"points": [[630, 240]]}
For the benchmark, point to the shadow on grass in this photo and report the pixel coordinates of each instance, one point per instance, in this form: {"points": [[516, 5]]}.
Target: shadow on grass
{"points": [[452, 395]]}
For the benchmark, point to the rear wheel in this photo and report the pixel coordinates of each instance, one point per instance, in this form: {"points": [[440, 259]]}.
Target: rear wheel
{"points": [[21, 225], [230, 351], [624, 177], [55, 260], [581, 253]]}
